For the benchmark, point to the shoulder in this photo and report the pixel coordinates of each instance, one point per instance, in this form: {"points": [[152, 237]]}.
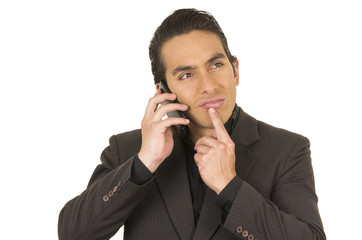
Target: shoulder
{"points": [[279, 143], [124, 145], [272, 133], [250, 131], [129, 137], [128, 140]]}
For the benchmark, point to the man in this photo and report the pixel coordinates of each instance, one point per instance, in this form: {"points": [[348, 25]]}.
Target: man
{"points": [[226, 176]]}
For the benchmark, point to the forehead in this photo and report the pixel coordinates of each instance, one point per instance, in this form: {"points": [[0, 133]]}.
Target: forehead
{"points": [[193, 48]]}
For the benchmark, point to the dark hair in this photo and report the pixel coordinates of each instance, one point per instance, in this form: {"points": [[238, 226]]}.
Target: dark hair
{"points": [[180, 22]]}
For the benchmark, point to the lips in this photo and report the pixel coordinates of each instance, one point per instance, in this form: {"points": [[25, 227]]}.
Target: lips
{"points": [[215, 102]]}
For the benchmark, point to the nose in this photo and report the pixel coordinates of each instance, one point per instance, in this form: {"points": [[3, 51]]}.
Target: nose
{"points": [[207, 83]]}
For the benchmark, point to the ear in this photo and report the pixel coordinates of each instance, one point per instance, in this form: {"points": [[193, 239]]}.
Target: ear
{"points": [[236, 71]]}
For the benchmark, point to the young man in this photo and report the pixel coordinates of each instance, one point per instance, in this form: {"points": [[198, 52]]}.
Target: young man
{"points": [[226, 176]]}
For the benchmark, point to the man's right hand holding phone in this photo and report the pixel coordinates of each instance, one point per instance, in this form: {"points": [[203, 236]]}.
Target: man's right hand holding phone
{"points": [[157, 135]]}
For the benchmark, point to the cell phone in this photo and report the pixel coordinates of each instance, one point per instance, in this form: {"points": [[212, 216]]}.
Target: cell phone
{"points": [[178, 114]]}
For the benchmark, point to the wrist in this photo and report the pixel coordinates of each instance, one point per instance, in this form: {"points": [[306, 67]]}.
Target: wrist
{"points": [[221, 186], [149, 162]]}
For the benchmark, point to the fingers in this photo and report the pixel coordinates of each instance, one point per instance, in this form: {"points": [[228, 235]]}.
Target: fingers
{"points": [[174, 121], [202, 149], [209, 142], [162, 125], [157, 113], [219, 138], [221, 133], [165, 108]]}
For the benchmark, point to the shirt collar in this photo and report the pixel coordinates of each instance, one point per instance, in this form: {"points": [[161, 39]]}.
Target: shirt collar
{"points": [[230, 124]]}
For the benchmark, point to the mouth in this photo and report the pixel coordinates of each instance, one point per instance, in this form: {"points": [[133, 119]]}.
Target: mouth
{"points": [[215, 102]]}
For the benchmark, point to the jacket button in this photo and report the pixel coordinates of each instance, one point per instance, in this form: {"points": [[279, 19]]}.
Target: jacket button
{"points": [[244, 233], [239, 229], [105, 198], [119, 183], [251, 237], [115, 189], [110, 194]]}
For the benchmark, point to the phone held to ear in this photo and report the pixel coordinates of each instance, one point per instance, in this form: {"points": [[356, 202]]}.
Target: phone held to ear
{"points": [[178, 114]]}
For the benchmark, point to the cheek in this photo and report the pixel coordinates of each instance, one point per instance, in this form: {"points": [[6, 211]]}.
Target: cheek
{"points": [[184, 94], [190, 100], [181, 96]]}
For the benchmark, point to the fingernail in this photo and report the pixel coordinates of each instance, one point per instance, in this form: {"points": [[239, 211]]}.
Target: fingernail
{"points": [[212, 110]]}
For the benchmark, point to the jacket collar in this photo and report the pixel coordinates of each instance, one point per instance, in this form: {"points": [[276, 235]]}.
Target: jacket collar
{"points": [[245, 130]]}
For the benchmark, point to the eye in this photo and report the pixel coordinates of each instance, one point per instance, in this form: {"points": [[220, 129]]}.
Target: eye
{"points": [[185, 76], [217, 65]]}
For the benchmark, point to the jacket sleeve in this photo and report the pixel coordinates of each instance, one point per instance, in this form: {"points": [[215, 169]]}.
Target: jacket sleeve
{"points": [[291, 213], [109, 199]]}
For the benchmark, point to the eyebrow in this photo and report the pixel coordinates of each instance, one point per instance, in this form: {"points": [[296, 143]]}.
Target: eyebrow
{"points": [[185, 68]]}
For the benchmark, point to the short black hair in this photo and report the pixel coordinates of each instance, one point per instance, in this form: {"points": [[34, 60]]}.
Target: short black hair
{"points": [[180, 22]]}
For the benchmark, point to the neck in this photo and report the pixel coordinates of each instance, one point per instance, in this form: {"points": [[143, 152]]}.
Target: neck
{"points": [[196, 132]]}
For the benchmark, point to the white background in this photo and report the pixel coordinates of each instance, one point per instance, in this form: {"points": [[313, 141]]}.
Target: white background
{"points": [[75, 72]]}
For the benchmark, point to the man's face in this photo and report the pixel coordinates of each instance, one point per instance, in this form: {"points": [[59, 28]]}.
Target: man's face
{"points": [[200, 74]]}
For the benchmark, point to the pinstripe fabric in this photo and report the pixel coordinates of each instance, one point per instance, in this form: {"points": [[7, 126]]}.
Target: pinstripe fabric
{"points": [[172, 182], [276, 200]]}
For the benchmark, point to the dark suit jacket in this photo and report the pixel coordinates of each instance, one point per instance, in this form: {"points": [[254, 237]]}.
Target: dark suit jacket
{"points": [[276, 200]]}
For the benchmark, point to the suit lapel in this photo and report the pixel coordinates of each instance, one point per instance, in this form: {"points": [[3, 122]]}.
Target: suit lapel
{"points": [[244, 161], [210, 217], [244, 134], [173, 184]]}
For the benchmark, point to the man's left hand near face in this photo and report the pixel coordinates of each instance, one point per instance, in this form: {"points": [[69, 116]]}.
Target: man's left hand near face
{"points": [[215, 155]]}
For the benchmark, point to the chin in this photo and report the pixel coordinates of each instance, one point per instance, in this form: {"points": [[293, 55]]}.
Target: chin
{"points": [[202, 120], [201, 125]]}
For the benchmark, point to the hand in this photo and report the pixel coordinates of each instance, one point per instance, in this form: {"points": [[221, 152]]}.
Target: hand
{"points": [[157, 136], [215, 156]]}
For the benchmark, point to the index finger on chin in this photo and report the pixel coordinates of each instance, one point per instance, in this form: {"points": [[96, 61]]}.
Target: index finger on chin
{"points": [[220, 130]]}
